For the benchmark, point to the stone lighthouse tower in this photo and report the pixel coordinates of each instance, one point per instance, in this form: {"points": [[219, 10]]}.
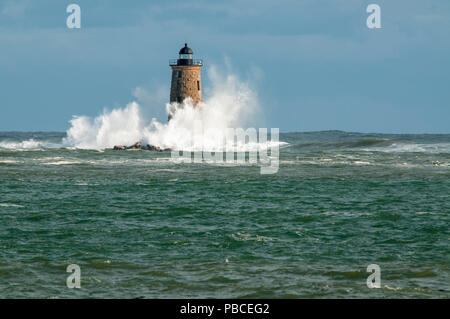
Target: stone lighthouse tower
{"points": [[186, 77]]}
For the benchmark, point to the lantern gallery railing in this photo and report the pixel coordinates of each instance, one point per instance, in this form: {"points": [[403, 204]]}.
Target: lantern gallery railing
{"points": [[185, 62]]}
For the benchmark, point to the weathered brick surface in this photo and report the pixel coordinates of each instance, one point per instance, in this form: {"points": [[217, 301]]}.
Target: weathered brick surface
{"points": [[188, 84]]}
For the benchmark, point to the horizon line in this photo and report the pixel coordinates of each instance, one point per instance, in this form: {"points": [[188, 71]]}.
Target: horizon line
{"points": [[281, 132]]}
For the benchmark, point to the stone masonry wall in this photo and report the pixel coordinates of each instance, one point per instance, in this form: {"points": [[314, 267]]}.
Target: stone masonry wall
{"points": [[186, 84]]}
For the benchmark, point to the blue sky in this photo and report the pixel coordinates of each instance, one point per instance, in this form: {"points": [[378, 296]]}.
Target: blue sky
{"points": [[315, 64]]}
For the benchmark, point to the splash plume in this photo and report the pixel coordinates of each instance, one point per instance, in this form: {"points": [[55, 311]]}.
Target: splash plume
{"points": [[231, 103]]}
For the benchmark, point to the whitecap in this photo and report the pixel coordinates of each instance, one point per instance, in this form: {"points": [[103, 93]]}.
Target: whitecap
{"points": [[10, 205], [62, 163], [361, 163], [28, 144], [8, 162], [413, 147], [391, 288], [424, 213]]}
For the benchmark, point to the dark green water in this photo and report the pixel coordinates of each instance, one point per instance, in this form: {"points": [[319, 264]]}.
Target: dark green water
{"points": [[140, 225]]}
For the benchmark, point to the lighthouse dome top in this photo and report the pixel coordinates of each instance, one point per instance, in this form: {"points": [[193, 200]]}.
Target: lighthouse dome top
{"points": [[186, 57], [186, 50]]}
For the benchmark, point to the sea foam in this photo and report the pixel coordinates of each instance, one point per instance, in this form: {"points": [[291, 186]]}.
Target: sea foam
{"points": [[27, 144], [231, 103]]}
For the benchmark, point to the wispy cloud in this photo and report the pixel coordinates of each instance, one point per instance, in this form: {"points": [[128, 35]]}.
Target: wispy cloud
{"points": [[14, 9]]}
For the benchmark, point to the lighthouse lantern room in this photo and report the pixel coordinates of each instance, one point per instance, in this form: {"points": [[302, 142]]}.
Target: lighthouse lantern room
{"points": [[186, 77]]}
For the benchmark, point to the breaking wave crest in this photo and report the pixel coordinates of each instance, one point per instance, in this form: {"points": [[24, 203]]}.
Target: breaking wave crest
{"points": [[372, 145], [231, 104], [28, 144], [415, 148]]}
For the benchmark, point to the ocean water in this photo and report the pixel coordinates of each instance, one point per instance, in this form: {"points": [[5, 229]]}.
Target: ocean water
{"points": [[142, 226]]}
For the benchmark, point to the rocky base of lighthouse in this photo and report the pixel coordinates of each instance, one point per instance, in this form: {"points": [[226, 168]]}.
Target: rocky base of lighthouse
{"points": [[139, 146]]}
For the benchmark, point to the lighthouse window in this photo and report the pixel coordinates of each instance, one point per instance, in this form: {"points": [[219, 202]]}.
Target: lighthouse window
{"points": [[179, 99], [180, 74], [198, 85], [186, 56]]}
